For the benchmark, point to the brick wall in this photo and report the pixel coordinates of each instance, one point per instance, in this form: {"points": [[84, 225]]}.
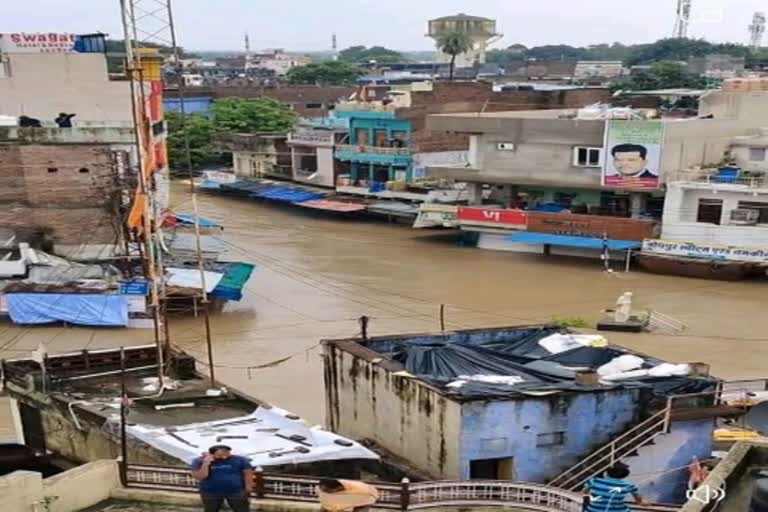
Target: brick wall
{"points": [[456, 97], [65, 190]]}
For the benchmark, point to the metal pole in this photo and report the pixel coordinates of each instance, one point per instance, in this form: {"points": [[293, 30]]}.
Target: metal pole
{"points": [[123, 441], [211, 370], [629, 258], [364, 328], [442, 317]]}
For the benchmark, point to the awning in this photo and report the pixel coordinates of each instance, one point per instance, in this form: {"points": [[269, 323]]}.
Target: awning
{"points": [[231, 285], [76, 309], [333, 206], [573, 241]]}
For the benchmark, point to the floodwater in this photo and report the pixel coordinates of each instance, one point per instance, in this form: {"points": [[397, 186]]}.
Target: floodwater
{"points": [[317, 275]]}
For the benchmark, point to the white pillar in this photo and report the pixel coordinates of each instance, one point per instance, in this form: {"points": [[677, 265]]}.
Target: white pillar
{"points": [[637, 204], [475, 193]]}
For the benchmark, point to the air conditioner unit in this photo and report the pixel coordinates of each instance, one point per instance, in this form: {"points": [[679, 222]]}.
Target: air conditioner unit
{"points": [[745, 216], [505, 146]]}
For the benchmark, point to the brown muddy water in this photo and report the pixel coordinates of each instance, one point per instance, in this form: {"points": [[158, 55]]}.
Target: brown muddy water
{"points": [[315, 276]]}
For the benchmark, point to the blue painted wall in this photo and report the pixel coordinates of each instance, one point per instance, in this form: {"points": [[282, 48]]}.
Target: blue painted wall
{"points": [[660, 470], [500, 429], [192, 105]]}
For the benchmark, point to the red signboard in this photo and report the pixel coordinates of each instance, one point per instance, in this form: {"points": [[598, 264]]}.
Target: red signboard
{"points": [[493, 217]]}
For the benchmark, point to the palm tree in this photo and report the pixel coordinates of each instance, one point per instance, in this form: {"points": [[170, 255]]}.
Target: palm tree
{"points": [[454, 44]]}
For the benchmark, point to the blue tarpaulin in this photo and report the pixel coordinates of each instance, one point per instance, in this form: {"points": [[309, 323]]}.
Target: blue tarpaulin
{"points": [[79, 309], [572, 241], [188, 219], [288, 195]]}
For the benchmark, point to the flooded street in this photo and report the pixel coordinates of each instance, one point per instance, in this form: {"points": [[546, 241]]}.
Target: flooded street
{"points": [[315, 276]]}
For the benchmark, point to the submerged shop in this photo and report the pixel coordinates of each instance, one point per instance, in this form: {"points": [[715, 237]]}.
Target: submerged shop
{"points": [[531, 403]]}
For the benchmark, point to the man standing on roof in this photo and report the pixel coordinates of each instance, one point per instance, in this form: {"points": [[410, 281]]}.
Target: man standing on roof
{"points": [[223, 477], [346, 495], [609, 493]]}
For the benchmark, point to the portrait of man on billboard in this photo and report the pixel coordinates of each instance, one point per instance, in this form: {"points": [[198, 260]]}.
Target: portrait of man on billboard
{"points": [[631, 161]]}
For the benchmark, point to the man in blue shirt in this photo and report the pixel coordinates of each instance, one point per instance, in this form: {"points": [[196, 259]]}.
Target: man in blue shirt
{"points": [[223, 476], [609, 493]]}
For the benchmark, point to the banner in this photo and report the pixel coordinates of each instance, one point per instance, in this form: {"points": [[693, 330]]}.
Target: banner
{"points": [[495, 217], [705, 251], [22, 42], [633, 154]]}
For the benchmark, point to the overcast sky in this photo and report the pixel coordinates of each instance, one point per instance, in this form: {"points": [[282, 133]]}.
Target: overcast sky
{"points": [[401, 24]]}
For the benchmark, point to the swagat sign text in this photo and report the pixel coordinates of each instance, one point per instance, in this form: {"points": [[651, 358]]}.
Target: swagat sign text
{"points": [[49, 42]]}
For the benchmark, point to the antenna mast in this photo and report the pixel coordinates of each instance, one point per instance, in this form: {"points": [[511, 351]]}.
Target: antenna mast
{"points": [[683, 19]]}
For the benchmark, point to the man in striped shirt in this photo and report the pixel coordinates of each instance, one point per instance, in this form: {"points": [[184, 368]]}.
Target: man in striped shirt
{"points": [[609, 493]]}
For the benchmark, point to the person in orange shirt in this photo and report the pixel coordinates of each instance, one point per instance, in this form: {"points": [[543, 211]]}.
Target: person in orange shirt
{"points": [[346, 495]]}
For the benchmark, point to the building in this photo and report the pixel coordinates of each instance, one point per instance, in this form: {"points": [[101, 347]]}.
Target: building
{"points": [[67, 183], [68, 404], [588, 70], [717, 66], [258, 155], [555, 160], [278, 61], [481, 31], [529, 404], [40, 78], [313, 144]]}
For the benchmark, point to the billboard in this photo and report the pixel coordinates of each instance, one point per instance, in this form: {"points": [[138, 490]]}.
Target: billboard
{"points": [[633, 154], [47, 42]]}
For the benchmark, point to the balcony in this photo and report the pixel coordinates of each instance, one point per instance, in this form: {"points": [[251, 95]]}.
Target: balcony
{"points": [[373, 154], [311, 138], [721, 179]]}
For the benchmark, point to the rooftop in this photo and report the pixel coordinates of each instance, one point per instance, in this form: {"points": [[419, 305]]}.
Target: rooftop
{"points": [[90, 133], [534, 360], [181, 418]]}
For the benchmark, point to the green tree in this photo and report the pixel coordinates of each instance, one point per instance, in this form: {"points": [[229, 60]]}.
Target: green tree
{"points": [[662, 75], [228, 115], [200, 130], [325, 73], [239, 115], [363, 55], [454, 44]]}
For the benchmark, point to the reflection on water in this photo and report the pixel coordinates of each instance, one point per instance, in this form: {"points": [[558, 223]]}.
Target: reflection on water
{"points": [[316, 276]]}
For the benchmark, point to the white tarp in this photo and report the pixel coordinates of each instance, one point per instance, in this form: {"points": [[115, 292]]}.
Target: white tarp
{"points": [[190, 278], [559, 342], [260, 436]]}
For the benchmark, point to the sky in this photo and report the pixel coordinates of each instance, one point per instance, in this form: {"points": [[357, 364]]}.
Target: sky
{"points": [[307, 25]]}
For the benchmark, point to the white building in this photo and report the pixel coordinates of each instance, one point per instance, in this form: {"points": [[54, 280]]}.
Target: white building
{"points": [[279, 61], [586, 69], [38, 82]]}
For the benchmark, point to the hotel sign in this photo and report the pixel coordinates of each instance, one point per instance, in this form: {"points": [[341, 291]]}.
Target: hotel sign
{"points": [[705, 251], [48, 42]]}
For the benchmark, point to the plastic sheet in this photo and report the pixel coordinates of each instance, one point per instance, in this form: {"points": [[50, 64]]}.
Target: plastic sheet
{"points": [[78, 309]]}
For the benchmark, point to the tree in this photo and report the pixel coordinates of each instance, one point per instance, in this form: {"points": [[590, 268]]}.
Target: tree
{"points": [[363, 55], [200, 131], [454, 44], [239, 115], [662, 75], [325, 73], [228, 115]]}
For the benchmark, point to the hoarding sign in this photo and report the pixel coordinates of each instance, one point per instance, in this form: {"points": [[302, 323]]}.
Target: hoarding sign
{"points": [[135, 287], [705, 251], [590, 225], [633, 154], [48, 42], [493, 217]]}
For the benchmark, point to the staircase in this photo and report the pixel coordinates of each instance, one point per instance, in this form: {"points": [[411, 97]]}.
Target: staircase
{"points": [[607, 455]]}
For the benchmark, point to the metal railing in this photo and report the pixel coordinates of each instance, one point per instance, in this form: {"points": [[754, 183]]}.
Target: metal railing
{"points": [[711, 177], [376, 150], [727, 394], [659, 322], [405, 496]]}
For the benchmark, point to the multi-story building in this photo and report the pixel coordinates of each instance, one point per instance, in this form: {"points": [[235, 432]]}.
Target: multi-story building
{"points": [[583, 162], [587, 70], [313, 144]]}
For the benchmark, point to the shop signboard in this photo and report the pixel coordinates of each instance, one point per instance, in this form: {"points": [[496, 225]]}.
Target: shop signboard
{"points": [[705, 251], [41, 42], [493, 217]]}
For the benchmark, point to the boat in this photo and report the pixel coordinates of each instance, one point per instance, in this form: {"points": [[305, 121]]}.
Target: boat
{"points": [[700, 267]]}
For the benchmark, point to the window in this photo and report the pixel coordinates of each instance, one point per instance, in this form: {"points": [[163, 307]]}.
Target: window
{"points": [[760, 207], [313, 105], [710, 211], [757, 154], [492, 469], [84, 170], [53, 170], [587, 157], [5, 67], [552, 439]]}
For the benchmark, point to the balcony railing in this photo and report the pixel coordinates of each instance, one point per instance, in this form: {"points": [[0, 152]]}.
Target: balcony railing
{"points": [[310, 138], [376, 150], [712, 177]]}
